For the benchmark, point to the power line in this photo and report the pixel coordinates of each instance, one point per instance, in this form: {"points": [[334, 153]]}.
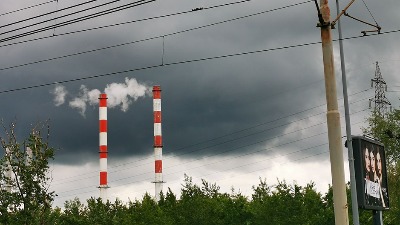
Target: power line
{"points": [[29, 7], [267, 149], [150, 18], [370, 13], [261, 141], [123, 44], [267, 159], [248, 128], [245, 129], [49, 13], [236, 139], [184, 62], [121, 185], [252, 163], [76, 20]]}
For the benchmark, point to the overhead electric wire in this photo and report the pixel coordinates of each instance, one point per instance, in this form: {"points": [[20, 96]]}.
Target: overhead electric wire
{"points": [[290, 153], [231, 149], [29, 7], [262, 124], [260, 141], [183, 62], [246, 129], [61, 196], [127, 43], [150, 18], [252, 163], [268, 149], [370, 13], [184, 147], [49, 13], [76, 20]]}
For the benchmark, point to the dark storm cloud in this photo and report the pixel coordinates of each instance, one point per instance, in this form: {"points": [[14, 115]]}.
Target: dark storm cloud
{"points": [[201, 101]]}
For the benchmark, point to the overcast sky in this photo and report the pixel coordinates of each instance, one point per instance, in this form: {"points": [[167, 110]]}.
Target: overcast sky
{"points": [[229, 120]]}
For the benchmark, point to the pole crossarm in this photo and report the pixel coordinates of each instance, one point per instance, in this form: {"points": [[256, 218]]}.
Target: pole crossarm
{"points": [[341, 13], [344, 12]]}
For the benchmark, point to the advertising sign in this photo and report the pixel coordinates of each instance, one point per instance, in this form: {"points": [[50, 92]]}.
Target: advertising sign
{"points": [[370, 172]]}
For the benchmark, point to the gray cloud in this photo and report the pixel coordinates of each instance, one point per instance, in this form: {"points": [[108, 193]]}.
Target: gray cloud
{"points": [[205, 104]]}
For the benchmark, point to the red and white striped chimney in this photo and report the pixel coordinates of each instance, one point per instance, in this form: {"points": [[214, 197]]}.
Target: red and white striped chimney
{"points": [[103, 145], [157, 141]]}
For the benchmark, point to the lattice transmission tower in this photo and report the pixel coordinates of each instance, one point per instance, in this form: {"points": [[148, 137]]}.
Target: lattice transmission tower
{"points": [[381, 103]]}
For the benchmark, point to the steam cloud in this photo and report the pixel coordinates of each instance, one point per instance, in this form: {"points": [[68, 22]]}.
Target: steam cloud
{"points": [[119, 95], [59, 95]]}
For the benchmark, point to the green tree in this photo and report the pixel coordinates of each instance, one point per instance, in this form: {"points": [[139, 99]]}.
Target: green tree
{"points": [[74, 213], [386, 129], [289, 204], [25, 197], [205, 204]]}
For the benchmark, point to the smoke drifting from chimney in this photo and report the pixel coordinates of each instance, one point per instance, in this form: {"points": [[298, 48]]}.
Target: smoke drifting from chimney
{"points": [[59, 95], [119, 95]]}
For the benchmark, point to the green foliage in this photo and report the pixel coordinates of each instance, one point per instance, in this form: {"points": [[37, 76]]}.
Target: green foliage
{"points": [[289, 204], [205, 204], [25, 197], [393, 215], [386, 129]]}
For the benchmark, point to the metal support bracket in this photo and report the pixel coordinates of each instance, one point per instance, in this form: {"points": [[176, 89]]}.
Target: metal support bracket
{"points": [[341, 13], [321, 22]]}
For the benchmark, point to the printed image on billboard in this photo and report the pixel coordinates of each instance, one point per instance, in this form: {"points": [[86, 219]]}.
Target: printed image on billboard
{"points": [[371, 175]]}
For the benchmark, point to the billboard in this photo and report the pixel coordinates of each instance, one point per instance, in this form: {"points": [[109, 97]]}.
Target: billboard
{"points": [[370, 172]]}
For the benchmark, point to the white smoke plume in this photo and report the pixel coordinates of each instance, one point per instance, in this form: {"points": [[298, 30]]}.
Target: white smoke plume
{"points": [[85, 96], [59, 95], [119, 95]]}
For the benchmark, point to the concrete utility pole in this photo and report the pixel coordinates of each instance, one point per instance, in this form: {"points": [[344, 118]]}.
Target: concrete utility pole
{"points": [[333, 119]]}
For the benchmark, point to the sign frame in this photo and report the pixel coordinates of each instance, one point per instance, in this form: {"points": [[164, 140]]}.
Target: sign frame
{"points": [[371, 174]]}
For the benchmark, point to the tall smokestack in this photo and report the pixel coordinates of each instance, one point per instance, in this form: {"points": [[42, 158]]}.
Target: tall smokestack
{"points": [[103, 146], [157, 141]]}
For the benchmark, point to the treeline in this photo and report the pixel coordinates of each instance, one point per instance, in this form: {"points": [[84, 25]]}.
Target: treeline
{"points": [[281, 204], [25, 197]]}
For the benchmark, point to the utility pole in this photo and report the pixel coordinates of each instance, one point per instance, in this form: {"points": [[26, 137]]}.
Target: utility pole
{"points": [[333, 118], [353, 187]]}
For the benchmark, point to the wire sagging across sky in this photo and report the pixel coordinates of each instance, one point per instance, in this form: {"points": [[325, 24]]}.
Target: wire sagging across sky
{"points": [[132, 42], [56, 11], [28, 7], [184, 62], [72, 21]]}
